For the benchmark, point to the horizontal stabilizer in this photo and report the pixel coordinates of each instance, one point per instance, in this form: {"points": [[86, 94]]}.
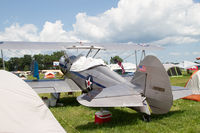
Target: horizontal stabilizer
{"points": [[120, 95], [180, 92], [53, 86]]}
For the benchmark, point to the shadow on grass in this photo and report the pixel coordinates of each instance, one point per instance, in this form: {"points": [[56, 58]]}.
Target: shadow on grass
{"points": [[169, 114], [123, 118], [68, 101], [119, 118]]}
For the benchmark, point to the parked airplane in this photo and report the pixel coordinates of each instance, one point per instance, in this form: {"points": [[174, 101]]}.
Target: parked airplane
{"points": [[150, 87]]}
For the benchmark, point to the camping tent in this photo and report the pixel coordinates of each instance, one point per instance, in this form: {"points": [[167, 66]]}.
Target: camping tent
{"points": [[194, 84], [187, 64], [22, 110], [172, 70], [49, 75]]}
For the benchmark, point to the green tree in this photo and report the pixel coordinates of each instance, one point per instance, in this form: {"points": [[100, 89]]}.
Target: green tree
{"points": [[115, 59], [14, 64], [56, 55], [26, 62], [48, 62], [40, 59]]}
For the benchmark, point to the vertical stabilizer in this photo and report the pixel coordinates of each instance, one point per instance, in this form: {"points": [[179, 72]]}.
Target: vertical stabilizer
{"points": [[152, 77]]}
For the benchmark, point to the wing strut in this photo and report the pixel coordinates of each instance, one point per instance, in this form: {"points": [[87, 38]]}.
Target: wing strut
{"points": [[88, 53], [2, 59], [96, 53], [136, 58], [143, 55]]}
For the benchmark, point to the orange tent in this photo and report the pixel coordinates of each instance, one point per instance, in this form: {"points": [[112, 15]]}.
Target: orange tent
{"points": [[49, 75], [194, 84]]}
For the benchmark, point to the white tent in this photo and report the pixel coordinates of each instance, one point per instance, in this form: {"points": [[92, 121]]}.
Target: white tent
{"points": [[194, 83], [22, 110], [187, 64]]}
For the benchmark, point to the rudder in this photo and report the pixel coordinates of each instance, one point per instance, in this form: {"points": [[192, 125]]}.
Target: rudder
{"points": [[152, 77]]}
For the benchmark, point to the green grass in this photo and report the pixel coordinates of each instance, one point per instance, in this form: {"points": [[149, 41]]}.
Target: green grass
{"points": [[184, 117]]}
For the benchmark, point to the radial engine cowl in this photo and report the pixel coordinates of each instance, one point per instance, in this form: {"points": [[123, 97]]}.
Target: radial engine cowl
{"points": [[65, 64]]}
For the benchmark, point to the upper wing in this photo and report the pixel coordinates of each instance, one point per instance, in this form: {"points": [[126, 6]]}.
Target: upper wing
{"points": [[120, 95], [73, 45], [36, 45], [180, 92], [129, 46], [53, 86]]}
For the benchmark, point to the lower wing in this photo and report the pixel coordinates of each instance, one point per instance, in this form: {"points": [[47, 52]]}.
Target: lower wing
{"points": [[53, 86]]}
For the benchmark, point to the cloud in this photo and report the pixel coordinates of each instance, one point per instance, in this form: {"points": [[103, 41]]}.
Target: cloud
{"points": [[15, 32], [175, 53], [55, 32], [139, 21], [157, 21], [29, 32], [196, 53]]}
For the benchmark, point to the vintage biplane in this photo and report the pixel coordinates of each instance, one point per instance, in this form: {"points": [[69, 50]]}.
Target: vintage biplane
{"points": [[101, 87]]}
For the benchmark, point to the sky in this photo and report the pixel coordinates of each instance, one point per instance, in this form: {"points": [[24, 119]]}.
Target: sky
{"points": [[173, 24]]}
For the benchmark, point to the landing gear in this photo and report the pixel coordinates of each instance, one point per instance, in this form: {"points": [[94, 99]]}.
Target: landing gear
{"points": [[146, 118]]}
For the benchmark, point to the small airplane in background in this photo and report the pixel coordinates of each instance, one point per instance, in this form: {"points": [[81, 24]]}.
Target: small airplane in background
{"points": [[101, 87]]}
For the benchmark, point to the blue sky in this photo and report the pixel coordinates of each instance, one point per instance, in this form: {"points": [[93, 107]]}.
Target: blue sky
{"points": [[37, 12], [173, 24]]}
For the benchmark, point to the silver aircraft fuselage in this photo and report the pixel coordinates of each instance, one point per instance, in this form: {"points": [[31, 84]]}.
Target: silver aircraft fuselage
{"points": [[96, 78]]}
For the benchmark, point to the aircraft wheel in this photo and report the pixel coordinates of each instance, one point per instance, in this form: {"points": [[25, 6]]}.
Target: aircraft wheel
{"points": [[146, 118]]}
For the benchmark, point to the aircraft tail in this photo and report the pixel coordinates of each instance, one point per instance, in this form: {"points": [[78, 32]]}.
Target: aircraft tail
{"points": [[152, 77]]}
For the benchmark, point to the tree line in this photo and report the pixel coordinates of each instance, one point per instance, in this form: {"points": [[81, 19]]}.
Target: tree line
{"points": [[45, 61]]}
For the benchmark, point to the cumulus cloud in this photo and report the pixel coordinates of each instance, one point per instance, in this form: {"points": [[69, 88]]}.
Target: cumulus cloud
{"points": [[55, 32], [139, 21], [15, 32], [158, 21], [29, 32]]}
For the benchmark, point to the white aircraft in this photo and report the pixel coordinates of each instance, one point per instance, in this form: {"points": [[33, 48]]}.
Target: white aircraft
{"points": [[101, 87]]}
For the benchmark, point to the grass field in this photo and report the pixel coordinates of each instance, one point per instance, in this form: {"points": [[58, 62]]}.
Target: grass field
{"points": [[184, 117]]}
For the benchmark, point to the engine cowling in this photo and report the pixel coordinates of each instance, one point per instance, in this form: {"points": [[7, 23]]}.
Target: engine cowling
{"points": [[65, 64]]}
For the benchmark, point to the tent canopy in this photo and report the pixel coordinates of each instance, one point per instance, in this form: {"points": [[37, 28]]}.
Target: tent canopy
{"points": [[187, 64], [194, 82], [172, 70], [22, 110]]}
